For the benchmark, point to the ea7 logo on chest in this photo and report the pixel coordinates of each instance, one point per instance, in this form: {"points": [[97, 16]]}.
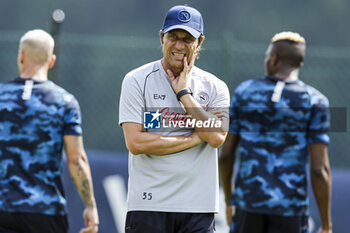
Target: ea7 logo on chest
{"points": [[159, 97]]}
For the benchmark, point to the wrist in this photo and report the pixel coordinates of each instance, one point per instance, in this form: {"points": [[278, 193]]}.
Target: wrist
{"points": [[327, 226], [91, 205], [183, 92]]}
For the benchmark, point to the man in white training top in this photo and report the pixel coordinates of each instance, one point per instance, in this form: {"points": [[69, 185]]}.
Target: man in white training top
{"points": [[174, 118]]}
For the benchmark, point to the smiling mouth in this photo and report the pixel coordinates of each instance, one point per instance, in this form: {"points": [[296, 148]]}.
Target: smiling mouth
{"points": [[178, 55]]}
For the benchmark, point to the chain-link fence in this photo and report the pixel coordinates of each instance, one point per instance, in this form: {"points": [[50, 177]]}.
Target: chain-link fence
{"points": [[92, 68]]}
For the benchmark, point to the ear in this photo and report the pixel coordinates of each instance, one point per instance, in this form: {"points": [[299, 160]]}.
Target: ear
{"points": [[52, 61], [201, 39], [274, 59], [161, 37], [21, 56], [200, 42]]}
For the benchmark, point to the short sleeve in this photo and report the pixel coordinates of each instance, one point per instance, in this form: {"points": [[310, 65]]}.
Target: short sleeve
{"points": [[222, 99], [235, 106], [320, 121], [72, 117], [131, 102], [234, 119]]}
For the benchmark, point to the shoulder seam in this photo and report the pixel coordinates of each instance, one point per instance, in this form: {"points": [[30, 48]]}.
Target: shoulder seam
{"points": [[144, 85]]}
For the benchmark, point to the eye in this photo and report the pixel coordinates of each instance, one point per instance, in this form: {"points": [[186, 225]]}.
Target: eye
{"points": [[188, 40], [172, 37]]}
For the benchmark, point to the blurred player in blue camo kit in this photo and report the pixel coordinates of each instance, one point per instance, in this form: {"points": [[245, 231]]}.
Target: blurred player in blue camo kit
{"points": [[38, 118], [277, 119]]}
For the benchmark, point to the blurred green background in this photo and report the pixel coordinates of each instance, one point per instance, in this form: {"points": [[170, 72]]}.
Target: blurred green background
{"points": [[101, 41]]}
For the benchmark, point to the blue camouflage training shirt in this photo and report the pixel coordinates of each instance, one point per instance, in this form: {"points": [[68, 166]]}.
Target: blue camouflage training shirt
{"points": [[31, 141], [276, 125]]}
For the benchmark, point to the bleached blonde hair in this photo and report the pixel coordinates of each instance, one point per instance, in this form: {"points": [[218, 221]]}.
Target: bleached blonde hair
{"points": [[291, 36], [37, 45]]}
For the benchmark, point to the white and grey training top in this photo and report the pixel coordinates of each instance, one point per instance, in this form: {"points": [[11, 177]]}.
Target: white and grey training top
{"points": [[186, 181]]}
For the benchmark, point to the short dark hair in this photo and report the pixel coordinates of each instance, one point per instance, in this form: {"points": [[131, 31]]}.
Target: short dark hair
{"points": [[289, 47]]}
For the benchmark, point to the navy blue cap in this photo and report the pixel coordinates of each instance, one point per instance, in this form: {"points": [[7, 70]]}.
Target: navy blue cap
{"points": [[186, 18]]}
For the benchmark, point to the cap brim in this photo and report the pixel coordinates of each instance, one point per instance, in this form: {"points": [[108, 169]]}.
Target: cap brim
{"points": [[190, 30]]}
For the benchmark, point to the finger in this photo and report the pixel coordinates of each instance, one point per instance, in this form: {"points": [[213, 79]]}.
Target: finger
{"points": [[193, 60], [88, 226], [170, 74], [228, 220], [90, 229], [87, 223], [229, 217], [185, 64], [85, 230], [222, 115], [217, 113], [93, 229]]}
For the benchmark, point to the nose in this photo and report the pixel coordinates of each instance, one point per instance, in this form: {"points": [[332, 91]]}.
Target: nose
{"points": [[179, 44]]}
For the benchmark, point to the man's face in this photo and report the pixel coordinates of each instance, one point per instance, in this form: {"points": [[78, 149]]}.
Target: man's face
{"points": [[176, 45]]}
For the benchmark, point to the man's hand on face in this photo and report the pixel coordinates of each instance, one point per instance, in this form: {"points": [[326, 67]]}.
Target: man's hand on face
{"points": [[180, 82]]}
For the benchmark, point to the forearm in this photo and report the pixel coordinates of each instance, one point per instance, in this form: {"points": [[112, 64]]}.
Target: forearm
{"points": [[226, 172], [80, 172], [154, 144], [216, 135], [321, 184], [226, 164]]}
